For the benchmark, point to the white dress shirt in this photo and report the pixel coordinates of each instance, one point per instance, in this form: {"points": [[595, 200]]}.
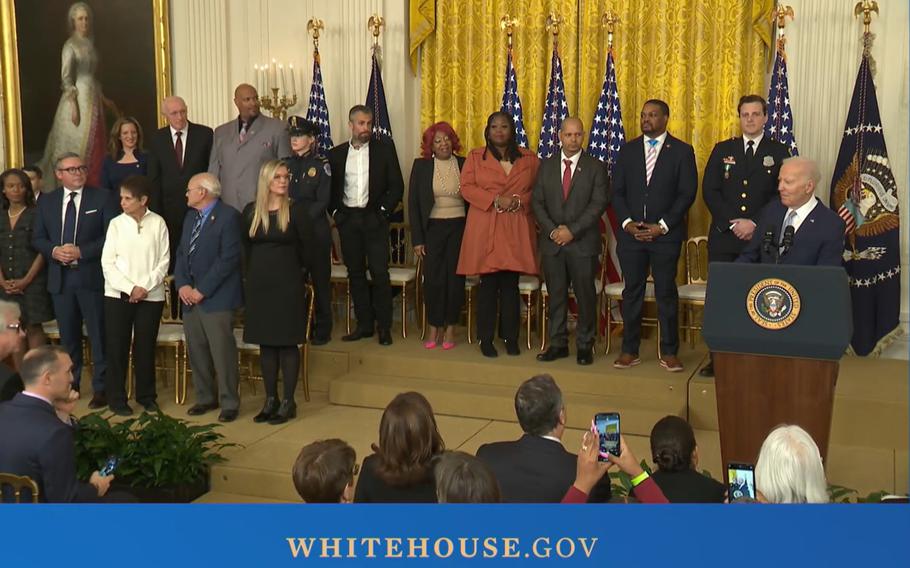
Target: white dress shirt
{"points": [[136, 254], [357, 176], [562, 163], [183, 136], [755, 142], [657, 147], [802, 213]]}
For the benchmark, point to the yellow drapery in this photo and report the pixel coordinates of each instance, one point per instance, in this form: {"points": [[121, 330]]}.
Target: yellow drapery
{"points": [[422, 22], [698, 55]]}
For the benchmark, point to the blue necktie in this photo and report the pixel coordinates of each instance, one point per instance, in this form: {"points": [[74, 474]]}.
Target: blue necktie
{"points": [[194, 236], [69, 221]]}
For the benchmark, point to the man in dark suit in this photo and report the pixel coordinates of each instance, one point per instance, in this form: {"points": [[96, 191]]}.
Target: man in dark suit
{"points": [[536, 468], [366, 189], [740, 178], [70, 227], [35, 442], [570, 196], [798, 229], [654, 184], [177, 152], [208, 282]]}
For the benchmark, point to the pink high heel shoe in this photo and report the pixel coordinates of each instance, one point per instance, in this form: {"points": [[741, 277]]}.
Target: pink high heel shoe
{"points": [[448, 345], [430, 344]]}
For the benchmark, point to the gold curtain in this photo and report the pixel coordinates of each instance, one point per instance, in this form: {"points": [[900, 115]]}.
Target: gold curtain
{"points": [[422, 22], [698, 55]]}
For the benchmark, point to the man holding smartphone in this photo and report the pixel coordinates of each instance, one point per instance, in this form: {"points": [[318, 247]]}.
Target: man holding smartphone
{"points": [[654, 184]]}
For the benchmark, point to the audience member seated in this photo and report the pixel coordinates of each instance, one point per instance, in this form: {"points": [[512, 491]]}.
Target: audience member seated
{"points": [[11, 333], [462, 478], [789, 468], [401, 468], [675, 454], [536, 468], [34, 442], [324, 472], [591, 471]]}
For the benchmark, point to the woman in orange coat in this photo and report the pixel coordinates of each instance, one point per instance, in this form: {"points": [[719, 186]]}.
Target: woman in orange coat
{"points": [[500, 241]]}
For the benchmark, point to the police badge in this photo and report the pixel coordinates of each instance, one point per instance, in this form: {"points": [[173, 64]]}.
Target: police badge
{"points": [[311, 172], [768, 161]]}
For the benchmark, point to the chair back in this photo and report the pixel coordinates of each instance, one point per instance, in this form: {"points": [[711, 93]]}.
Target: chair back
{"points": [[173, 309], [18, 483], [401, 253], [697, 260]]}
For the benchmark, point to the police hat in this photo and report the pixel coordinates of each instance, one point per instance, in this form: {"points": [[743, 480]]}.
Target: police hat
{"points": [[299, 126]]}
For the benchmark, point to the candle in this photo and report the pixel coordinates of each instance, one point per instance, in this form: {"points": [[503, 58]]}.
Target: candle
{"points": [[256, 77], [293, 80], [282, 75], [273, 77]]}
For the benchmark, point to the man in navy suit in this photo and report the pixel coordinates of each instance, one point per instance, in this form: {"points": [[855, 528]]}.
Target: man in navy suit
{"points": [[35, 442], [654, 184], [817, 236], [70, 227], [207, 277]]}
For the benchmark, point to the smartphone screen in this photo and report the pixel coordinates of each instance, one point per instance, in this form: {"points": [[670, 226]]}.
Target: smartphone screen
{"points": [[607, 424], [109, 466], [741, 479]]}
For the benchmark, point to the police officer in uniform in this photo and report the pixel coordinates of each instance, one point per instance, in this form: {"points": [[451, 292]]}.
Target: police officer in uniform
{"points": [[740, 178], [311, 179]]}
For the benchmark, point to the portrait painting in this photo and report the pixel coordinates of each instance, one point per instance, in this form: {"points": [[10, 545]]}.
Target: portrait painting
{"points": [[79, 66]]}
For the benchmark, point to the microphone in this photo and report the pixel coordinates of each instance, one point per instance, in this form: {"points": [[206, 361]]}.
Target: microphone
{"points": [[787, 241], [767, 242]]}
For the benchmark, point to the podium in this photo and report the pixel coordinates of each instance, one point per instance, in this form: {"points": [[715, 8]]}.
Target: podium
{"points": [[777, 333]]}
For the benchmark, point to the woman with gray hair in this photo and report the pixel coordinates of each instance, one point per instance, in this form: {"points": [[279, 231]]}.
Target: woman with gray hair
{"points": [[789, 468]]}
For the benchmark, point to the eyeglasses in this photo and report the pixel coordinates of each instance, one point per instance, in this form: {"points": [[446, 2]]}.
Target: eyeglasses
{"points": [[356, 469], [74, 170], [17, 327]]}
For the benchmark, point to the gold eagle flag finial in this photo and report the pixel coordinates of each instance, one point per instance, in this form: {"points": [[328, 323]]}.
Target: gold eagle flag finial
{"points": [[609, 21], [866, 7], [508, 24]]}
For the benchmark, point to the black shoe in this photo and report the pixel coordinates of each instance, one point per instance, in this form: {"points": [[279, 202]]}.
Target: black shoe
{"points": [[200, 409], [707, 370], [320, 340], [585, 356], [486, 347], [227, 416], [152, 407], [287, 411], [98, 401], [356, 335], [268, 410], [385, 337], [553, 353], [124, 410], [512, 347]]}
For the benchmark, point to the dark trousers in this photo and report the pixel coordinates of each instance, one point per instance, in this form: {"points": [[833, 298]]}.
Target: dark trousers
{"points": [[443, 289], [365, 243], [73, 307], [501, 288], [636, 259], [560, 270], [137, 323], [321, 275]]}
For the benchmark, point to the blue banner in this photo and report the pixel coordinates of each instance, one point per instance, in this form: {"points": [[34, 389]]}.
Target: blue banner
{"points": [[453, 535]]}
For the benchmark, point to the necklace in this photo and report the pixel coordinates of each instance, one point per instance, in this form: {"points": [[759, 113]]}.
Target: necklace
{"points": [[14, 215], [447, 169]]}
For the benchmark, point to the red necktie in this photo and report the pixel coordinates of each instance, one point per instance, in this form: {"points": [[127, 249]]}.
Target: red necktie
{"points": [[178, 149], [566, 179]]}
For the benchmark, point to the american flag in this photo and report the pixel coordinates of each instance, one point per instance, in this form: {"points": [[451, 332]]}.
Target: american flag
{"points": [[554, 112], [318, 110], [511, 102], [780, 122], [606, 138], [382, 128]]}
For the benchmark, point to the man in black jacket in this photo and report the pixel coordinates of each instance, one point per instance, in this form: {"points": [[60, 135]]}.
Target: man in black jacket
{"points": [[34, 442], [177, 152], [536, 468], [366, 189]]}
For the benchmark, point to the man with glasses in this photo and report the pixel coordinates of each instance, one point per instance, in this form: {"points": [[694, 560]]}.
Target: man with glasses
{"points": [[11, 334], [70, 227], [207, 278]]}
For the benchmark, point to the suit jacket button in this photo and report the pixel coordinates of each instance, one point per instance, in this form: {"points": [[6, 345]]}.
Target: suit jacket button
{"points": [[743, 196], [745, 182], [743, 208]]}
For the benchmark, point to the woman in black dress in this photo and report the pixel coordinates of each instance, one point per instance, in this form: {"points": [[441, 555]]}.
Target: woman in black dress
{"points": [[23, 278], [275, 235]]}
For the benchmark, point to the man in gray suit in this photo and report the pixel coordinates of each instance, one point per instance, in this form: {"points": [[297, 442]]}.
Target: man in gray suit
{"points": [[569, 197], [241, 146]]}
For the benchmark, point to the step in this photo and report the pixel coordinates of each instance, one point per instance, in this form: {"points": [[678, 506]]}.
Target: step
{"points": [[220, 497]]}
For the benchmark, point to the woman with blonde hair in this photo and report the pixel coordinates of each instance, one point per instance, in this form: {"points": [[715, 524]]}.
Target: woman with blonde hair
{"points": [[276, 235], [126, 156]]}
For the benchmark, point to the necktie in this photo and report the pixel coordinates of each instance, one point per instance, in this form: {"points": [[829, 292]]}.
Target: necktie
{"points": [[69, 221], [650, 160], [243, 132], [178, 150], [566, 179], [750, 151], [788, 222], [194, 235]]}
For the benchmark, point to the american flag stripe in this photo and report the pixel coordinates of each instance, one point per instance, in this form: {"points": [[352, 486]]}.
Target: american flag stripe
{"points": [[780, 117]]}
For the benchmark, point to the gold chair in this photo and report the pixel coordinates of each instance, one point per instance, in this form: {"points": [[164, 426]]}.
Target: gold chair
{"points": [[692, 293], [18, 483], [404, 269], [600, 280], [613, 293], [52, 331], [340, 279], [529, 289]]}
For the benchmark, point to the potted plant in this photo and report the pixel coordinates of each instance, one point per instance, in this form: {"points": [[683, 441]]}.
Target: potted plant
{"points": [[161, 459]]}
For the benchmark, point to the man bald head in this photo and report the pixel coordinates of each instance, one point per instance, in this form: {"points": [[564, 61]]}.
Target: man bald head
{"points": [[571, 135], [174, 110], [247, 101]]}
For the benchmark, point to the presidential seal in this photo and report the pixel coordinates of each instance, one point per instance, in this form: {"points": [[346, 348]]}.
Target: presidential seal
{"points": [[773, 303]]}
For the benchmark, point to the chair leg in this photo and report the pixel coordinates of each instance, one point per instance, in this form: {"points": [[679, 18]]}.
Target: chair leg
{"points": [[423, 319], [658, 340], [347, 307], [544, 320], [130, 378], [305, 372], [404, 311], [180, 388], [470, 317], [608, 327]]}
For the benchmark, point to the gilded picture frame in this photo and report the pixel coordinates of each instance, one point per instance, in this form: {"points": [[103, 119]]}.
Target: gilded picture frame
{"points": [[129, 39]]}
